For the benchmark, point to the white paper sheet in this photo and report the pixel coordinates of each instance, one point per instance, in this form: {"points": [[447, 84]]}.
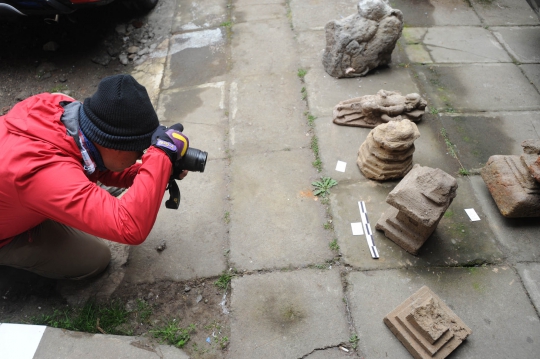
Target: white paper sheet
{"points": [[472, 214], [19, 341], [340, 167], [357, 229]]}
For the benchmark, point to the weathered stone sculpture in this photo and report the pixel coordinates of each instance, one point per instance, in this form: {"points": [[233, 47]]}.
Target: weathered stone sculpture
{"points": [[361, 42], [388, 150], [425, 325], [419, 202], [373, 110], [514, 182]]}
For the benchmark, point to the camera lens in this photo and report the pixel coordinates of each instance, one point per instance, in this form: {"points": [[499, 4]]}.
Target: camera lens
{"points": [[194, 160]]}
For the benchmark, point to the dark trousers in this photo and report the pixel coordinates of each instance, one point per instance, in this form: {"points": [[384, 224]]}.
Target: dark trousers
{"points": [[54, 250]]}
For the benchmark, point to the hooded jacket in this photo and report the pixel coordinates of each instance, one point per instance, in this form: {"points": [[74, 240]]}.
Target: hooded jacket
{"points": [[42, 177]]}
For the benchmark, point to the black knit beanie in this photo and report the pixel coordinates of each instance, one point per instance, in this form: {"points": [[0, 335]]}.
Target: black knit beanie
{"points": [[119, 115]]}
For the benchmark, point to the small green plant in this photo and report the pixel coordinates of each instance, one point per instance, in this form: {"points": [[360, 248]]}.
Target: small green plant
{"points": [[449, 145], [323, 186], [448, 214], [173, 334], [433, 111], [334, 246], [58, 88], [328, 225], [224, 280], [226, 24], [227, 217], [354, 341], [144, 310], [304, 93], [464, 172], [223, 342], [302, 73], [315, 147]]}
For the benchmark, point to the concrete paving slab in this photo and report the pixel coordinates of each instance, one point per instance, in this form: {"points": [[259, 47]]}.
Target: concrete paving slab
{"points": [[251, 43], [325, 91], [482, 135], [491, 301], [518, 236], [456, 241], [258, 12], [267, 114], [195, 58], [64, 344], [532, 71], [450, 44], [520, 42], [436, 12], [201, 109], [315, 14], [505, 12], [275, 220], [341, 143], [200, 14], [287, 314], [311, 46], [195, 234], [477, 87], [530, 275]]}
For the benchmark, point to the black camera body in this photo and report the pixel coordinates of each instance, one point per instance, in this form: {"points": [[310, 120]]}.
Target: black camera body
{"points": [[195, 161]]}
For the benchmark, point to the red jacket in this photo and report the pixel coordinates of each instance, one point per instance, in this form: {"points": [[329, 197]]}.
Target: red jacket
{"points": [[42, 177]]}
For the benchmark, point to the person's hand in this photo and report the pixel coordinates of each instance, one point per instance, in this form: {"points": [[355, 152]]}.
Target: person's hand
{"points": [[182, 175], [171, 141]]}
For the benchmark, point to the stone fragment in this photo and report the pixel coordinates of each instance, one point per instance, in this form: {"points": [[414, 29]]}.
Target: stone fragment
{"points": [[511, 185], [123, 59], [133, 49], [373, 110], [388, 150], [418, 204], [426, 326], [531, 157], [102, 59], [361, 42]]}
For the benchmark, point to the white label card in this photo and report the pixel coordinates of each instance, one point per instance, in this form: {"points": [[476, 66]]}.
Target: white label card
{"points": [[472, 214], [340, 167], [357, 229]]}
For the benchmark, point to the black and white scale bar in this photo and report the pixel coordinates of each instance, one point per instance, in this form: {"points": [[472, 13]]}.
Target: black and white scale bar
{"points": [[367, 230]]}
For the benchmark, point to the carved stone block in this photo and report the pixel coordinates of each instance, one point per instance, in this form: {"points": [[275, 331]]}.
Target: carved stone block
{"points": [[512, 186], [361, 42], [372, 110], [388, 150], [426, 326], [419, 202]]}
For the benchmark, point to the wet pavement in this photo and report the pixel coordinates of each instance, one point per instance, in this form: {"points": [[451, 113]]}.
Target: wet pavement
{"points": [[229, 74]]}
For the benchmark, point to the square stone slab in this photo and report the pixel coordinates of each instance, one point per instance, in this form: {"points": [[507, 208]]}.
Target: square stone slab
{"points": [[518, 41], [287, 314], [276, 221], [195, 234], [456, 241], [315, 14], [491, 301], [530, 275], [477, 87], [258, 12], [325, 91], [505, 12], [200, 14], [480, 136], [341, 143], [532, 71], [436, 12], [196, 58], [251, 45], [518, 236], [462, 44], [267, 114], [201, 110]]}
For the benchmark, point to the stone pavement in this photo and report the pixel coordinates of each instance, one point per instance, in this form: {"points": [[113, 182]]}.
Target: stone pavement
{"points": [[229, 74]]}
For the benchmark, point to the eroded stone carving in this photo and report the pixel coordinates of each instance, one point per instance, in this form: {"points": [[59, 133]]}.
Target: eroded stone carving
{"points": [[373, 110], [361, 42], [425, 325], [388, 150], [513, 181], [418, 204]]}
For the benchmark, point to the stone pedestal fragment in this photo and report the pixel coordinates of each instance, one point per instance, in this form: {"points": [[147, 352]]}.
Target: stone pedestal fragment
{"points": [[419, 202], [512, 186], [388, 150], [372, 110], [426, 326], [361, 42]]}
